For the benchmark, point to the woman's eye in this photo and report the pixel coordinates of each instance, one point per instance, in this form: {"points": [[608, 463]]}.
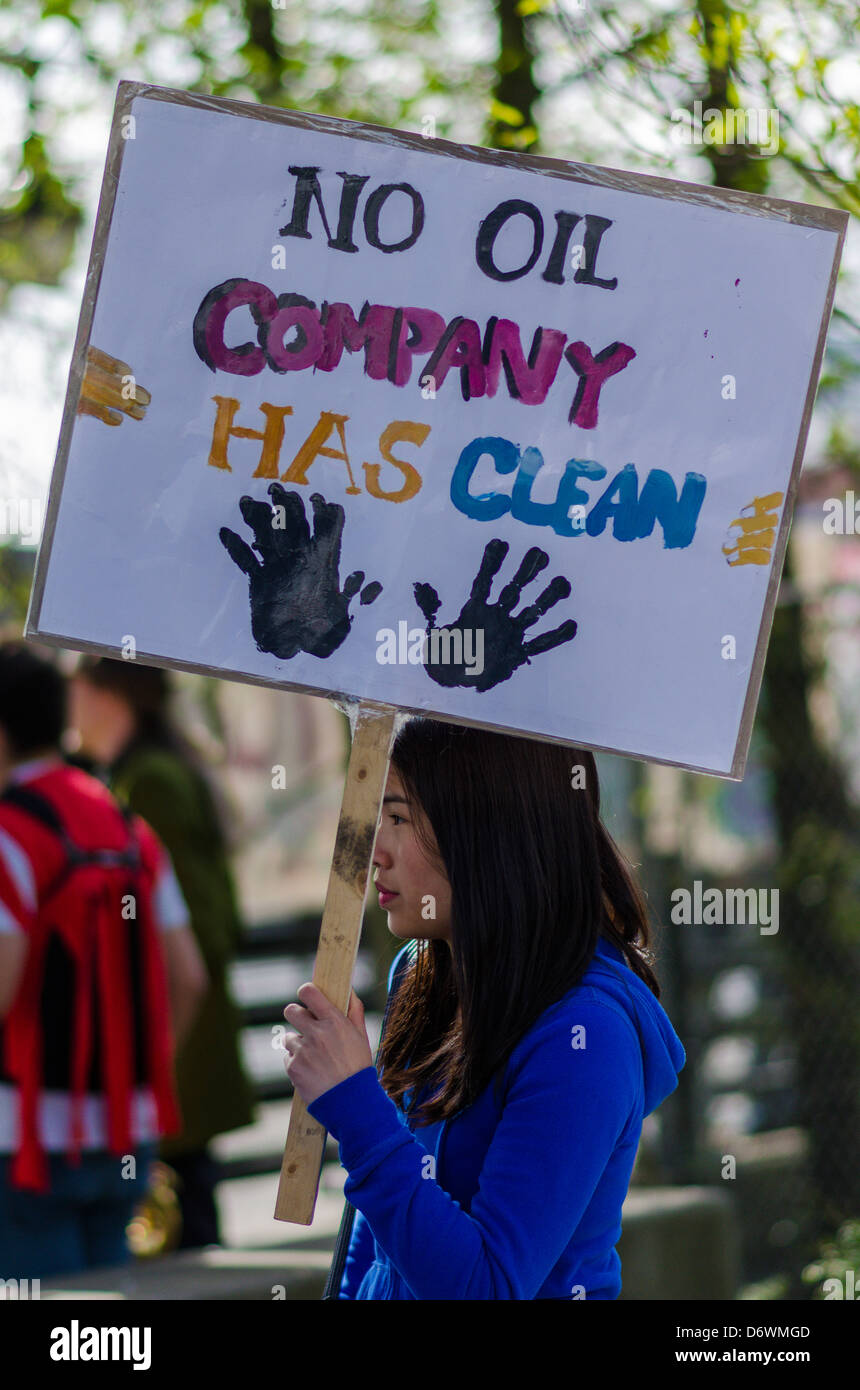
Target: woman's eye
{"points": [[395, 817]]}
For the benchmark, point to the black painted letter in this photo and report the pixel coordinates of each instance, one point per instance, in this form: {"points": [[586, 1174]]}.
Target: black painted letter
{"points": [[555, 265], [373, 208], [489, 230], [594, 229]]}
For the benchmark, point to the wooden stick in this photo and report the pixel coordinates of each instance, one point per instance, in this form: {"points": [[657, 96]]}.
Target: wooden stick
{"points": [[340, 932]]}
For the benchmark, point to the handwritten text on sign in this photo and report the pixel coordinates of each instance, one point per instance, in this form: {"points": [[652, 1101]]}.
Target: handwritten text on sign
{"points": [[447, 429], [391, 338]]}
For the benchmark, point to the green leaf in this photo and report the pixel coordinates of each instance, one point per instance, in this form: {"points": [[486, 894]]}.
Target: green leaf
{"points": [[509, 114]]}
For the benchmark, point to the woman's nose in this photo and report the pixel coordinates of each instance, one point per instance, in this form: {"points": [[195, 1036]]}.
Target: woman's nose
{"points": [[381, 856]]}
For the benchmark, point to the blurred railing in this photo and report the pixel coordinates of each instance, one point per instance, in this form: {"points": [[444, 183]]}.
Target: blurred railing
{"points": [[273, 960]]}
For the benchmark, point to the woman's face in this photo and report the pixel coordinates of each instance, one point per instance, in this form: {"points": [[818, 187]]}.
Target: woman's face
{"points": [[101, 719], [418, 900]]}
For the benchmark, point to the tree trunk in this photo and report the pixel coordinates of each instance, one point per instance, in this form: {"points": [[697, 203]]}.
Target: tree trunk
{"points": [[817, 829], [514, 86]]}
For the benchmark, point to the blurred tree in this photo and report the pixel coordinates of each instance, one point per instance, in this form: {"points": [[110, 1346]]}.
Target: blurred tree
{"points": [[16, 576], [390, 62], [39, 221], [748, 56], [742, 56], [512, 122]]}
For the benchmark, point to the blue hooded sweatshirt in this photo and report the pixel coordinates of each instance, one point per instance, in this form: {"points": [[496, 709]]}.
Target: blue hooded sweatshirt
{"points": [[518, 1197]]}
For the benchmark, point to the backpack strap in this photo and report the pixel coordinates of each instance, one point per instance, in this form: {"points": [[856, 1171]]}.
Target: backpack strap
{"points": [[40, 809], [101, 965], [38, 806], [35, 805]]}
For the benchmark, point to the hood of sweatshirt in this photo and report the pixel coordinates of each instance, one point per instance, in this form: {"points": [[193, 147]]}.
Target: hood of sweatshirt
{"points": [[480, 1231], [663, 1055]]}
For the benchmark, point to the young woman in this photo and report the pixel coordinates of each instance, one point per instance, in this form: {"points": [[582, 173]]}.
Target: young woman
{"points": [[525, 1041]]}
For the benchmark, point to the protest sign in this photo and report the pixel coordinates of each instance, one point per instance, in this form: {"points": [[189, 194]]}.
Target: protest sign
{"points": [[379, 389], [507, 440]]}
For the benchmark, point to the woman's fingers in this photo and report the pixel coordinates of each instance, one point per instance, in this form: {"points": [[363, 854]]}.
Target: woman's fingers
{"points": [[298, 1016], [315, 1001], [317, 1008]]}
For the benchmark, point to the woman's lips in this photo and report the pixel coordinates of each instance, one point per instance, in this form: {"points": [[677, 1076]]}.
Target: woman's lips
{"points": [[385, 897]]}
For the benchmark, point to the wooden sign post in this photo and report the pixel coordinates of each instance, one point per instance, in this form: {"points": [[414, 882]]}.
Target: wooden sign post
{"points": [[339, 937]]}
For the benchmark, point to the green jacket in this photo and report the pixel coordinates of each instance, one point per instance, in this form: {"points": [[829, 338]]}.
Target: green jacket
{"points": [[214, 1093]]}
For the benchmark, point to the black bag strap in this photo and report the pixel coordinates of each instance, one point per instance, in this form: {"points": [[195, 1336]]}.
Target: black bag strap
{"points": [[344, 1235], [37, 806]]}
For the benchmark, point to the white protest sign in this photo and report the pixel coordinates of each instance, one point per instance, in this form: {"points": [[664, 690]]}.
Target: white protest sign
{"points": [[507, 440]]}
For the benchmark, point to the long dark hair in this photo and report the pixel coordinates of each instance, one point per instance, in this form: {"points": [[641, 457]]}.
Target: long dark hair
{"points": [[535, 880]]}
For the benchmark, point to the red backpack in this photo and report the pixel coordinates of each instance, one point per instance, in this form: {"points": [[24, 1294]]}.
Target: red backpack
{"points": [[91, 1013]]}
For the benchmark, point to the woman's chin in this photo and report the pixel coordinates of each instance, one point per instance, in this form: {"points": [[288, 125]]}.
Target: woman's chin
{"points": [[398, 927]]}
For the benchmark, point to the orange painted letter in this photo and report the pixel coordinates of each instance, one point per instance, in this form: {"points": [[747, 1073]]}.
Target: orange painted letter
{"points": [[412, 433], [272, 436]]}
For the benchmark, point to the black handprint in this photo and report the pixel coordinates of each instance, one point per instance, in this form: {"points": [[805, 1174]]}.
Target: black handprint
{"points": [[503, 647], [296, 600]]}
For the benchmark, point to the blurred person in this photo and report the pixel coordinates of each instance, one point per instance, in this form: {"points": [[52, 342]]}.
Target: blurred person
{"points": [[96, 960], [120, 710], [491, 1156]]}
